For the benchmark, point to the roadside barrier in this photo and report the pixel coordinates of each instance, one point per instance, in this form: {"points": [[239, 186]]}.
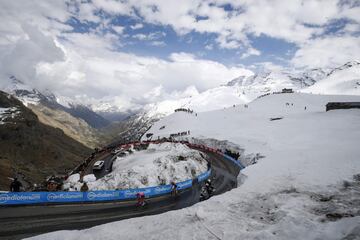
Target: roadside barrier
{"points": [[237, 162], [25, 198]]}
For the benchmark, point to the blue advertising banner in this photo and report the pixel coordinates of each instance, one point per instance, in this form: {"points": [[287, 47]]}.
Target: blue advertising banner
{"points": [[234, 161], [159, 190], [63, 196], [204, 176], [184, 184], [131, 193], [23, 198], [94, 196]]}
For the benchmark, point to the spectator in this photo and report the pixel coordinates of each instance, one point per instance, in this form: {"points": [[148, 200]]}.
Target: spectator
{"points": [[15, 185], [84, 187]]}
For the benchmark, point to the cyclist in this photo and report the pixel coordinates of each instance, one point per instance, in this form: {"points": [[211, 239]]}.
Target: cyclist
{"points": [[140, 199], [174, 190]]}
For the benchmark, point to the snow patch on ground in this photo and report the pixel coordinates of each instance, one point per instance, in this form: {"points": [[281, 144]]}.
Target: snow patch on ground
{"points": [[159, 164], [6, 113]]}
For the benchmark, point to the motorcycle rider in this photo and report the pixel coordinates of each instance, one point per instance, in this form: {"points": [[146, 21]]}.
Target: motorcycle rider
{"points": [[209, 186], [207, 190]]}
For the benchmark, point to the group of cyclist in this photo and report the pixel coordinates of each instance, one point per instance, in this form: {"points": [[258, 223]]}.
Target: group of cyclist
{"points": [[208, 189], [140, 196]]}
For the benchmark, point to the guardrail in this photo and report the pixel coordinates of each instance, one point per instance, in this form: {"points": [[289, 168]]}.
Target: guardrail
{"points": [[25, 198]]}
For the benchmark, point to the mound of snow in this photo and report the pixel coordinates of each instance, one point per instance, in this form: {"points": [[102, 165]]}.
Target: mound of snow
{"points": [[158, 165]]}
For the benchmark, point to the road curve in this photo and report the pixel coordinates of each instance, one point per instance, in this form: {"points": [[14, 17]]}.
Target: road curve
{"points": [[25, 221]]}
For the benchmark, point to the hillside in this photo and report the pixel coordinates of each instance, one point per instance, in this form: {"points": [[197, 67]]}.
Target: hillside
{"points": [[31, 148], [75, 128], [304, 188]]}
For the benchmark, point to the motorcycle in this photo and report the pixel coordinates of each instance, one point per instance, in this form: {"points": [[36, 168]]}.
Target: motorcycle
{"points": [[206, 191]]}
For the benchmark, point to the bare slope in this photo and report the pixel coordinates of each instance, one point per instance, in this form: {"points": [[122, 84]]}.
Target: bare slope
{"points": [[32, 148]]}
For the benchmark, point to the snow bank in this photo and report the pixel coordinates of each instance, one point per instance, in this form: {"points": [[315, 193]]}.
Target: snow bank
{"points": [[302, 189], [159, 164]]}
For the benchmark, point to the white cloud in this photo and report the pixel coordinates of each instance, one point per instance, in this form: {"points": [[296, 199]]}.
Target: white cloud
{"points": [[23, 57], [149, 37], [272, 18], [102, 73], [113, 7], [251, 52], [118, 29], [327, 52], [158, 43], [209, 47], [137, 26], [48, 16]]}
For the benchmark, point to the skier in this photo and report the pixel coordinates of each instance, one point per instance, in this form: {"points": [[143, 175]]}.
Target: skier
{"points": [[15, 185]]}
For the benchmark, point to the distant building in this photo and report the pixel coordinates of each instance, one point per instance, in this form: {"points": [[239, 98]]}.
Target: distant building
{"points": [[287, 90], [342, 105]]}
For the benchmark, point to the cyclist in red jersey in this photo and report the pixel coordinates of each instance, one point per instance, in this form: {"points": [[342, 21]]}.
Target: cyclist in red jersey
{"points": [[140, 199]]}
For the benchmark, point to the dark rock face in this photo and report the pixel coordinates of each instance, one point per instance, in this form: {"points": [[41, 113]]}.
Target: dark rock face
{"points": [[32, 149]]}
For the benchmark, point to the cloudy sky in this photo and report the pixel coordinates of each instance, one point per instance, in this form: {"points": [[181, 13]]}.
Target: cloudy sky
{"points": [[138, 51]]}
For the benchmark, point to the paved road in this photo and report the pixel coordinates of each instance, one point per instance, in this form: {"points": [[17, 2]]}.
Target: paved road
{"points": [[108, 159], [25, 221]]}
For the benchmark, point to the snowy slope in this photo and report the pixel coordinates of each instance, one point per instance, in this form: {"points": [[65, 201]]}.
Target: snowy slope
{"points": [[342, 80], [238, 91], [303, 188]]}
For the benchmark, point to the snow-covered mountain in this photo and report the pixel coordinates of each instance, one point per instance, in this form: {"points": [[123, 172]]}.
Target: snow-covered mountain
{"points": [[342, 80], [26, 94], [242, 90], [32, 96]]}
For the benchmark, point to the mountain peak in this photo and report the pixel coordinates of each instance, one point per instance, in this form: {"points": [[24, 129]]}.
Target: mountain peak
{"points": [[345, 66]]}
